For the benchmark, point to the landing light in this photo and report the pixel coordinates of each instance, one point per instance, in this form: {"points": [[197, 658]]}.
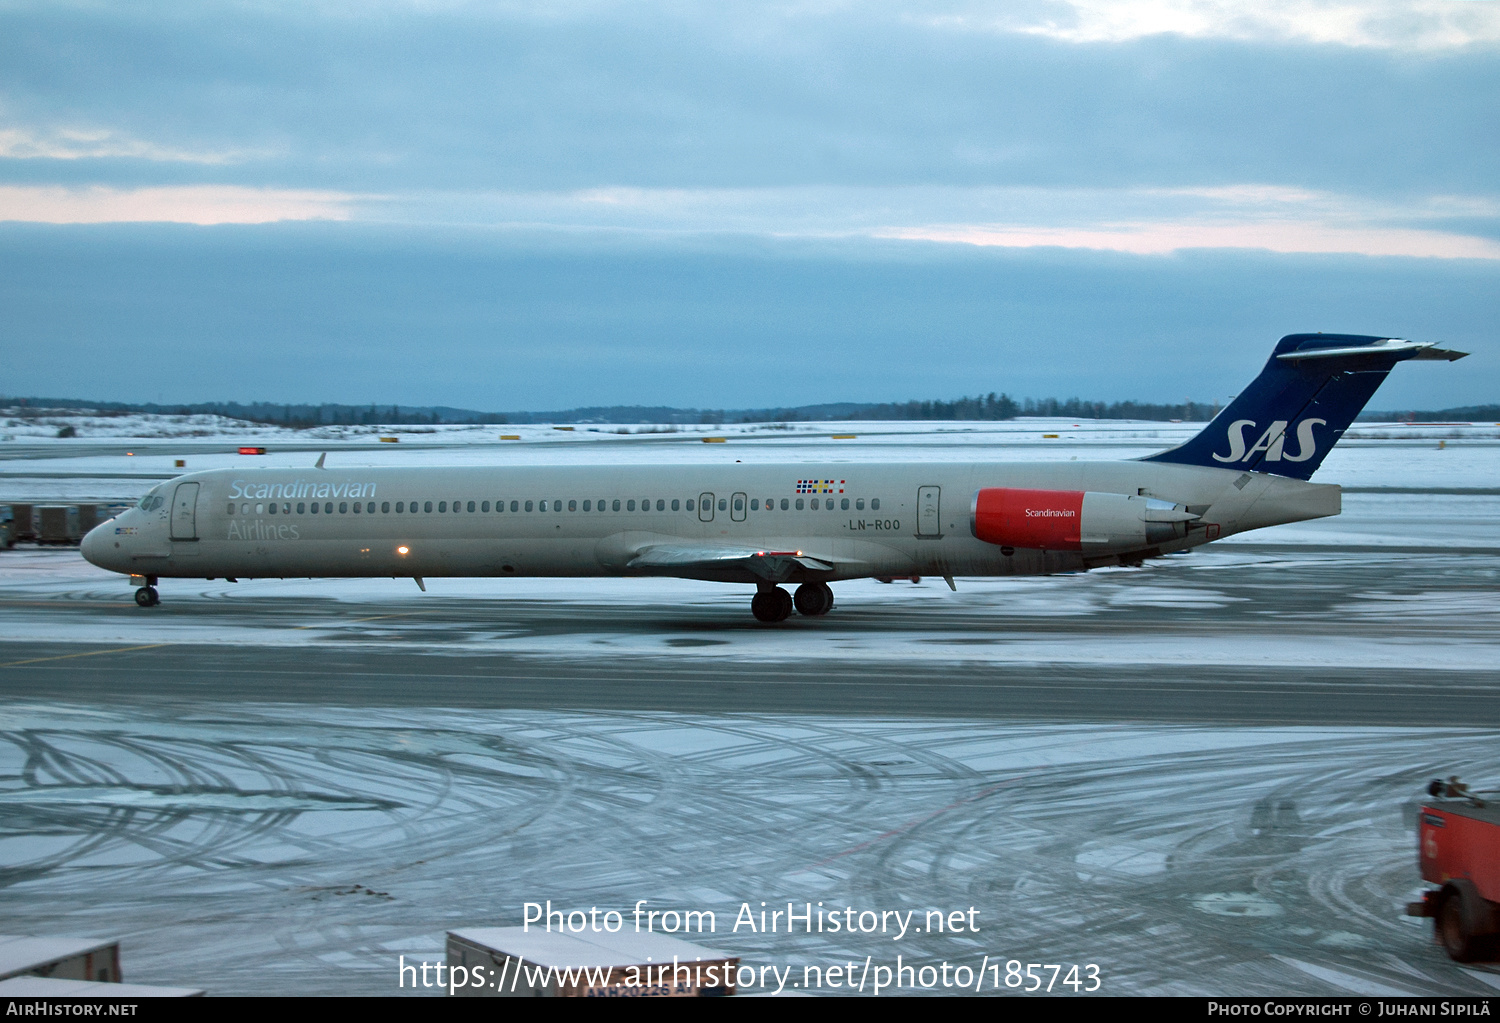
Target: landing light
{"points": [[403, 550]]}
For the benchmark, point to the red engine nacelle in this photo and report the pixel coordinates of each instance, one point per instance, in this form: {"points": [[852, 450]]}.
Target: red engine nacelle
{"points": [[1049, 520], [1074, 520]]}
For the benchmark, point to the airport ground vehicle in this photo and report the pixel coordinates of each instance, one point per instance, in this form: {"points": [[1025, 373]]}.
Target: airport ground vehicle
{"points": [[1458, 843], [808, 524]]}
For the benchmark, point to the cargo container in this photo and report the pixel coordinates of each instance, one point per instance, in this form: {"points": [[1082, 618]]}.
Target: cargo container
{"points": [[537, 963], [56, 524], [22, 528], [1458, 848]]}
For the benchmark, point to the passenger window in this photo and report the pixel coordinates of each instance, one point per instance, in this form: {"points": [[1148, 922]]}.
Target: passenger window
{"points": [[815, 504], [587, 506], [541, 506], [470, 506], [301, 507], [231, 507], [528, 506], [844, 504], [646, 504], [688, 504], [427, 507], [630, 505], [860, 504], [874, 504], [244, 509], [799, 504], [601, 504], [271, 507], [484, 507], [755, 504], [783, 504], [572, 506], [739, 504], [661, 505], [616, 504], [385, 507], [515, 506], [356, 508], [676, 504], [723, 504], [458, 506], [343, 507], [442, 506], [315, 508]]}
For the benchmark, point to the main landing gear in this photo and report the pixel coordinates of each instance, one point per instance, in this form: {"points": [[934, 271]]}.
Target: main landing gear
{"points": [[813, 599], [147, 596], [773, 604]]}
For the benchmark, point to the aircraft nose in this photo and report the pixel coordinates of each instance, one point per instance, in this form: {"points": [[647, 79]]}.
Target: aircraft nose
{"points": [[96, 545]]}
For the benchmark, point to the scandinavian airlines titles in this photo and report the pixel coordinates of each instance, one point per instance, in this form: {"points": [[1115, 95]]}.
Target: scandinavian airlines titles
{"points": [[299, 488]]}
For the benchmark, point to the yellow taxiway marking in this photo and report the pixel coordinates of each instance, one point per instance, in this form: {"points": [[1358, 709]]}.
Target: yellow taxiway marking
{"points": [[86, 653]]}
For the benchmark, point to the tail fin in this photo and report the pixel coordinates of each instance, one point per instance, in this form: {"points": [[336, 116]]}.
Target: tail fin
{"points": [[1312, 388]]}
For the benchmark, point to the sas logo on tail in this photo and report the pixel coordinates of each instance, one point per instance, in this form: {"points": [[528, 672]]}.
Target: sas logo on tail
{"points": [[1272, 442]]}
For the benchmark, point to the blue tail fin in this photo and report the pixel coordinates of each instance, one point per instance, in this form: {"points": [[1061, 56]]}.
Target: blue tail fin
{"points": [[1292, 415]]}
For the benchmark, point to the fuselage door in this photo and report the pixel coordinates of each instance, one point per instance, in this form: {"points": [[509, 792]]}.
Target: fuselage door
{"points": [[929, 511], [737, 505], [706, 507], [185, 512]]}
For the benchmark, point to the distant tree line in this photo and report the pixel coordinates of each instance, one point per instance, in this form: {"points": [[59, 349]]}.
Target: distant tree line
{"points": [[991, 406]]}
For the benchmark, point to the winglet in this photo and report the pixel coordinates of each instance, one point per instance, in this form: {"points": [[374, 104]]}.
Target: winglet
{"points": [[319, 463]]}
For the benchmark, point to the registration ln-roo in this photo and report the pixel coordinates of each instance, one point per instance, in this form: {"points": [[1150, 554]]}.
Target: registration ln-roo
{"points": [[803, 524]]}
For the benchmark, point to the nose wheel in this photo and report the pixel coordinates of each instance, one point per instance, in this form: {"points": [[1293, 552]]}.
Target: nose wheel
{"points": [[147, 596], [771, 604]]}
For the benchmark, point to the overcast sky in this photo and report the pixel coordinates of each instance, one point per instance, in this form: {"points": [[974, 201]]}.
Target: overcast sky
{"points": [[531, 206]]}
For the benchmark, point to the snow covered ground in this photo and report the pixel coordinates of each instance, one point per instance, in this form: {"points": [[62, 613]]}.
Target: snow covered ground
{"points": [[237, 842]]}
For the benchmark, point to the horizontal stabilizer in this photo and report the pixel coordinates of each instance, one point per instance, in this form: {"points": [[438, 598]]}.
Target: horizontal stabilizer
{"points": [[1385, 346]]}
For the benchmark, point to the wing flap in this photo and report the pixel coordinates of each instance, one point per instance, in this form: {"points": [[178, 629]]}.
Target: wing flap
{"points": [[716, 560]]}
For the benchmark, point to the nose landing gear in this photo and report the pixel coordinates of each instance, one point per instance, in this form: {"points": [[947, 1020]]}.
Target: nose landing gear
{"points": [[147, 596]]}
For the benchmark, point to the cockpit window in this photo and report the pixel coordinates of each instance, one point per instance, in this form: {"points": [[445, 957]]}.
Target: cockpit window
{"points": [[150, 502]]}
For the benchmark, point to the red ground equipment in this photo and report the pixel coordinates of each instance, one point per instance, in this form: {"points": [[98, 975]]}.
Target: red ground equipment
{"points": [[1458, 847]]}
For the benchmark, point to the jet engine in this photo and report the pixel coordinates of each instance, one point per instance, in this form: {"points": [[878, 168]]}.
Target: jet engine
{"points": [[1075, 520]]}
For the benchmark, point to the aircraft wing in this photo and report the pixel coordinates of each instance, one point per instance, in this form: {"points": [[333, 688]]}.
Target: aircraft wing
{"points": [[718, 561]]}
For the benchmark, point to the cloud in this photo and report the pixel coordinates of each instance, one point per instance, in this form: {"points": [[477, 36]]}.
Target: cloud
{"points": [[1163, 238], [1143, 221], [664, 94], [93, 144], [487, 320], [1416, 25], [190, 204], [1138, 220]]}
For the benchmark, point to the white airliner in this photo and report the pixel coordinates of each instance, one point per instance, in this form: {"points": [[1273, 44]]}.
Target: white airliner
{"points": [[808, 524]]}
